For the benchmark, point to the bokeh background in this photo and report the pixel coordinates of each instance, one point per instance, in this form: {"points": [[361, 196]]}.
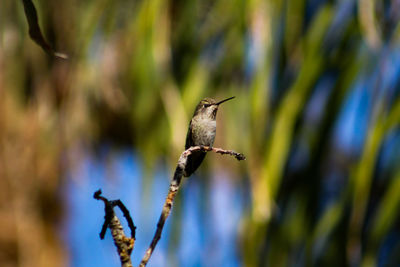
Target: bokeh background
{"points": [[317, 113]]}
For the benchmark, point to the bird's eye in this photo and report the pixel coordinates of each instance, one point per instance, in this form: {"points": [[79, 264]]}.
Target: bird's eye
{"points": [[204, 106]]}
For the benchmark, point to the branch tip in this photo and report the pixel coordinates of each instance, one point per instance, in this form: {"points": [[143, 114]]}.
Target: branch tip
{"points": [[97, 194]]}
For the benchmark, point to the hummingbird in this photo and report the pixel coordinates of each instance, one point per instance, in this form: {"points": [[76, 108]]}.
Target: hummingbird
{"points": [[202, 129]]}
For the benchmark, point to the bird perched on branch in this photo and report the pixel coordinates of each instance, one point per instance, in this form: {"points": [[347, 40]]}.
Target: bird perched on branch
{"points": [[202, 129]]}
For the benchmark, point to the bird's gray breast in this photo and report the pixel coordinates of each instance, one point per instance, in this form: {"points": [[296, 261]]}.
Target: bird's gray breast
{"points": [[204, 131]]}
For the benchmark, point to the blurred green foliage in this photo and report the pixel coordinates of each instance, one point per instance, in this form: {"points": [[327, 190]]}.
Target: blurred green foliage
{"points": [[137, 69]]}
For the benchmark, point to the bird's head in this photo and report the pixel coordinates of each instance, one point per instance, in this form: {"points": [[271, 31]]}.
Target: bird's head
{"points": [[208, 107]]}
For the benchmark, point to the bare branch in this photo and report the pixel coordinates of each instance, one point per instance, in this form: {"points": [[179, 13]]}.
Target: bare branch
{"points": [[123, 243], [173, 190]]}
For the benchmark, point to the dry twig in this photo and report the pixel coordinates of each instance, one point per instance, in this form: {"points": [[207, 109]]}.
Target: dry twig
{"points": [[173, 190], [123, 243]]}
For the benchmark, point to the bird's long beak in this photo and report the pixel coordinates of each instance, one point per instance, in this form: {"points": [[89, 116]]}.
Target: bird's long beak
{"points": [[220, 102]]}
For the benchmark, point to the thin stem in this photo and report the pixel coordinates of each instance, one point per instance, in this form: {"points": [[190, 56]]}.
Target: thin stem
{"points": [[173, 190]]}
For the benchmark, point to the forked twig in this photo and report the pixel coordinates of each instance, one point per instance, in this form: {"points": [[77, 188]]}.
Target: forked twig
{"points": [[123, 243]]}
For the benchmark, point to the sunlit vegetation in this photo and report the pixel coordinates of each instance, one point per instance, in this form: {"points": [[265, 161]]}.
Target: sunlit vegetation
{"points": [[317, 113]]}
